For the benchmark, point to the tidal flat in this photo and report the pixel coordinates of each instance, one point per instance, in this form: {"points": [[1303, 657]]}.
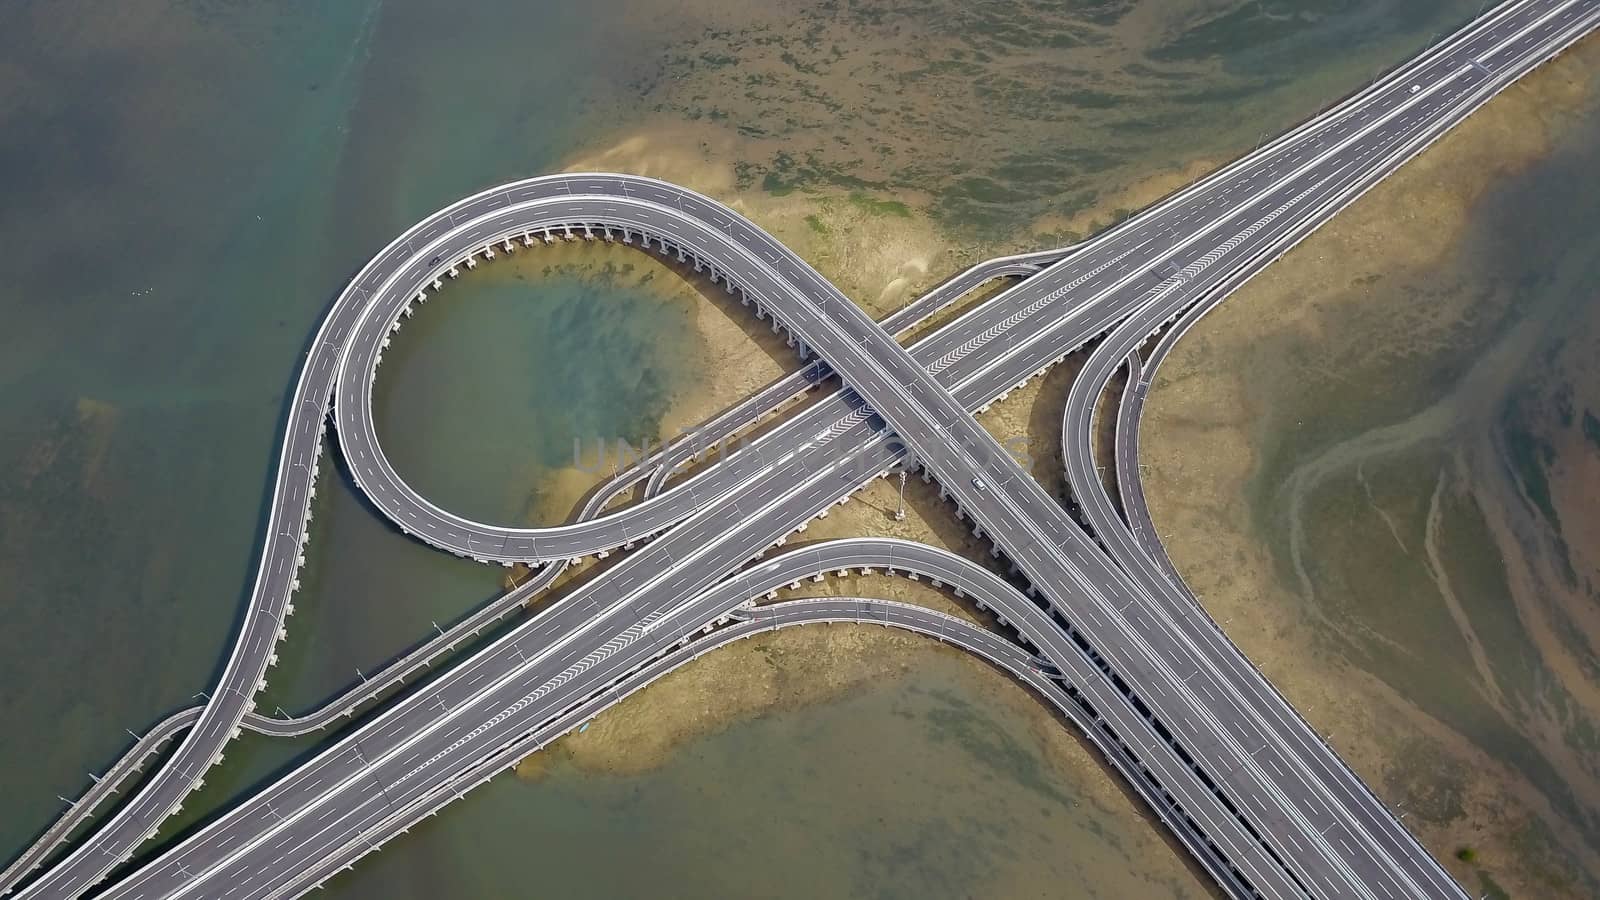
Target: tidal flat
{"points": [[1376, 465], [228, 166]]}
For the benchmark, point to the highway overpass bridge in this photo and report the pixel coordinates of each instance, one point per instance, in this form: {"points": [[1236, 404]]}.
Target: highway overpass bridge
{"points": [[1265, 806]]}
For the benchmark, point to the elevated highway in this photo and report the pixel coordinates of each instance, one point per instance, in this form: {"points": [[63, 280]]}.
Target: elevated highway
{"points": [[1284, 190], [652, 469]]}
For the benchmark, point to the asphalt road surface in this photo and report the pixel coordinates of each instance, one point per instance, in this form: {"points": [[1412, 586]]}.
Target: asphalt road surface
{"points": [[1276, 809]]}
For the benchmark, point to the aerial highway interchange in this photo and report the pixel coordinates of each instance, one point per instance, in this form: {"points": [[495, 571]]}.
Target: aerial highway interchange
{"points": [[1112, 637]]}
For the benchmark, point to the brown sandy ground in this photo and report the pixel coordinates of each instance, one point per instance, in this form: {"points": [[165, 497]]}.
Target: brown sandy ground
{"points": [[796, 667], [886, 258], [883, 253], [743, 678], [1440, 655], [885, 200]]}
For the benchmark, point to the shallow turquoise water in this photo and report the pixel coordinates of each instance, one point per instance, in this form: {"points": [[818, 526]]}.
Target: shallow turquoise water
{"points": [[487, 388], [187, 186]]}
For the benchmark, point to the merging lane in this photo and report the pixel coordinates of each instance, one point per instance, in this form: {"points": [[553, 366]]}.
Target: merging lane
{"points": [[1284, 816]]}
